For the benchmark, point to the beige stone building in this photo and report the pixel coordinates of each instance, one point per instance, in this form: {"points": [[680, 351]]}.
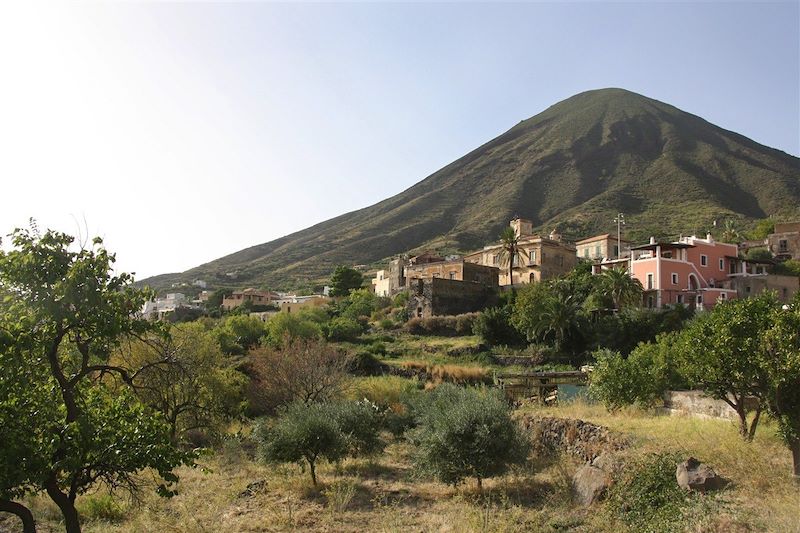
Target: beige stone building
{"points": [[389, 282], [293, 304], [784, 241], [602, 247], [455, 270], [544, 257], [255, 297]]}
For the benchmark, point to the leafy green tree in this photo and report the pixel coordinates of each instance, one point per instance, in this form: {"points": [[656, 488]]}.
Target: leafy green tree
{"points": [[359, 422], [360, 304], [344, 279], [239, 333], [762, 229], [618, 286], [187, 379], [69, 313], [781, 363], [510, 251], [303, 433], [790, 267], [758, 254], [720, 354], [343, 328], [284, 327], [215, 300], [464, 432], [494, 327], [640, 379]]}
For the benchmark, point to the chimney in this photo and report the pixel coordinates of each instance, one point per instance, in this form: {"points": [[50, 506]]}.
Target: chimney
{"points": [[652, 240], [709, 238]]}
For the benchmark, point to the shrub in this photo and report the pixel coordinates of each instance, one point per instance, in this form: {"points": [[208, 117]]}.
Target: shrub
{"points": [[449, 326], [364, 364], [344, 329], [285, 327], [304, 371], [395, 397], [101, 507], [340, 493], [359, 422], [302, 433], [647, 498], [465, 432], [494, 327]]}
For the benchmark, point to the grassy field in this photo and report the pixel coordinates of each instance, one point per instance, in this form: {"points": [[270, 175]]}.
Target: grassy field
{"points": [[230, 492]]}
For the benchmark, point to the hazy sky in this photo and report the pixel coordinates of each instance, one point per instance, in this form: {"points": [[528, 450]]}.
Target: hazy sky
{"points": [[183, 132]]}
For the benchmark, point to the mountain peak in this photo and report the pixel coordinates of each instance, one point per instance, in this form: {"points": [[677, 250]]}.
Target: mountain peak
{"points": [[575, 165]]}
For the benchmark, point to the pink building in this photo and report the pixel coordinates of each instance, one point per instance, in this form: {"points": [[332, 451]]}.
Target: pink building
{"points": [[690, 271]]}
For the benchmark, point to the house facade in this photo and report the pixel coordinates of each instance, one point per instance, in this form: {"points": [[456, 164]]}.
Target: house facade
{"points": [[784, 241], [442, 296], [389, 282], [255, 297], [543, 257], [602, 247], [454, 270], [690, 271]]}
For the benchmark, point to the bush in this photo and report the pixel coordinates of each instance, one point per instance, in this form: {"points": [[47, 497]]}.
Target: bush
{"points": [[448, 326], [101, 507], [641, 379], [344, 329], [304, 371], [364, 364], [285, 327], [647, 498], [359, 422], [494, 327], [465, 432], [394, 395]]}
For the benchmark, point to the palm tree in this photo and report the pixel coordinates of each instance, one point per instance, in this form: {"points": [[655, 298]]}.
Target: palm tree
{"points": [[622, 289], [558, 318], [730, 233], [510, 251]]}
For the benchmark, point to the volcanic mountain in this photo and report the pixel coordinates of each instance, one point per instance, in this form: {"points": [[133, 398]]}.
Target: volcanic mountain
{"points": [[571, 167]]}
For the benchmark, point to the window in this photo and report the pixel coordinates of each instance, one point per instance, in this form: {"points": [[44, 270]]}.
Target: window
{"points": [[597, 251], [783, 245], [616, 250], [747, 290], [722, 265], [452, 274], [560, 260], [699, 299], [495, 259], [650, 302], [586, 253], [704, 260], [649, 281], [532, 256], [680, 298], [674, 278]]}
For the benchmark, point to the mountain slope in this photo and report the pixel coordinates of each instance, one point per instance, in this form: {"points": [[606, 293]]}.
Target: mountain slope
{"points": [[573, 166]]}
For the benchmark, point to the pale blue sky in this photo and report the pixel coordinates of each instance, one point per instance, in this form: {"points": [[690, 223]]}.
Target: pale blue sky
{"points": [[182, 132]]}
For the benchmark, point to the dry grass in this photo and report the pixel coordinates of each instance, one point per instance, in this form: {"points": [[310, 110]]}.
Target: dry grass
{"points": [[762, 494], [449, 373], [387, 495]]}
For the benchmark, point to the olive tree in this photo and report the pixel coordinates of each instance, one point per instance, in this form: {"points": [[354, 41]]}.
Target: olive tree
{"points": [[466, 432], [67, 313]]}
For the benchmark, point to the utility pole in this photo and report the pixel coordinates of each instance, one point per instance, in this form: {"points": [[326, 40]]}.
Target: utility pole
{"points": [[620, 220]]}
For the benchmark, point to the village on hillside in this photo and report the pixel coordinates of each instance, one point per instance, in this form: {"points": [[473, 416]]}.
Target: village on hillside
{"points": [[697, 272]]}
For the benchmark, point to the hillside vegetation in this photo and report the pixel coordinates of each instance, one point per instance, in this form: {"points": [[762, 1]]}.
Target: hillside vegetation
{"points": [[573, 166]]}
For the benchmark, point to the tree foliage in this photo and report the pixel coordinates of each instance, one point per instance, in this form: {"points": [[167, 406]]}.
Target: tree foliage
{"points": [[67, 315], [464, 432], [186, 378], [305, 371], [510, 251], [345, 279]]}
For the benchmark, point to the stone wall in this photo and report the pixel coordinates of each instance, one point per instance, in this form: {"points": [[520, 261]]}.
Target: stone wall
{"points": [[586, 441], [437, 297], [696, 403]]}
